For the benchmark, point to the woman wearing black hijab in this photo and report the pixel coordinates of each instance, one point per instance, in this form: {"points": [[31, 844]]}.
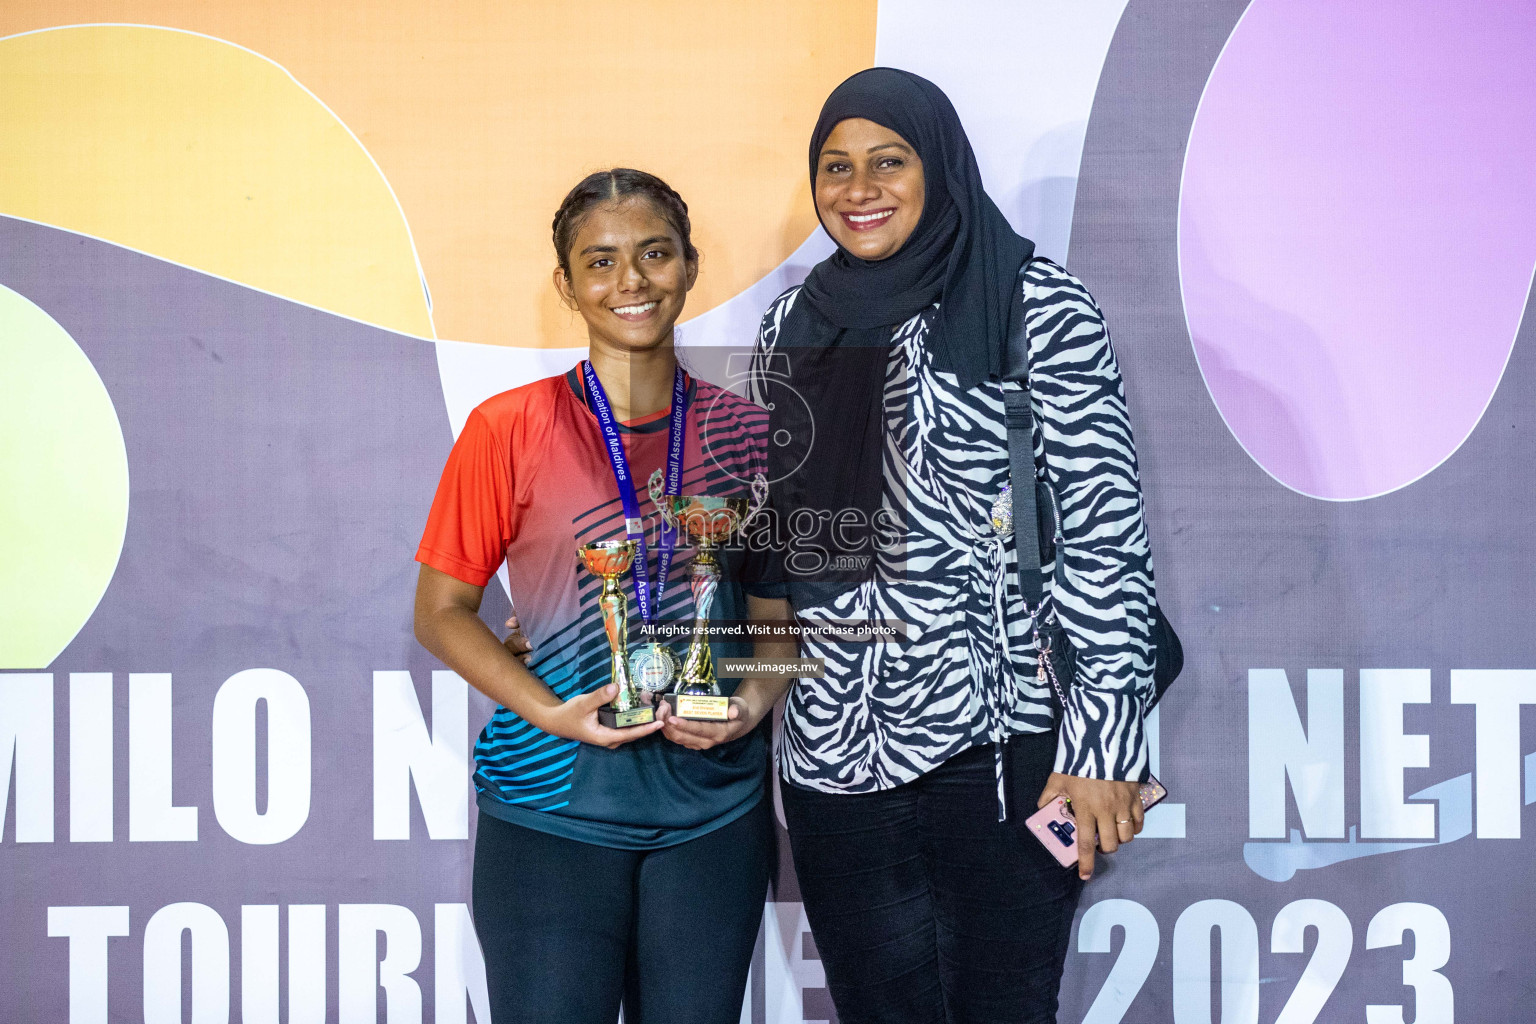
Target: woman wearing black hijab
{"points": [[910, 766]]}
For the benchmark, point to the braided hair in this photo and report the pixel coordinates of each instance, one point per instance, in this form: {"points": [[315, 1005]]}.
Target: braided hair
{"points": [[612, 186]]}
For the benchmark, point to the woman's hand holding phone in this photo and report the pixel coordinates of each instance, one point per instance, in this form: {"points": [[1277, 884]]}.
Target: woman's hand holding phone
{"points": [[1106, 813]]}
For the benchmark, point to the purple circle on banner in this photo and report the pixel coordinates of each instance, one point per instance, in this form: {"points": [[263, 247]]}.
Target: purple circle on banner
{"points": [[1357, 231]]}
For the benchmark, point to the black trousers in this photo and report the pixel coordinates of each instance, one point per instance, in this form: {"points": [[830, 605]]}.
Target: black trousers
{"points": [[924, 907], [569, 929]]}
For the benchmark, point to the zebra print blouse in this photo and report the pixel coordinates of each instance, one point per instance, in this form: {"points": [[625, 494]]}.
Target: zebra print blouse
{"points": [[885, 713]]}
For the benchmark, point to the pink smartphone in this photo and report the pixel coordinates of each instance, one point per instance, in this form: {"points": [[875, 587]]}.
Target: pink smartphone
{"points": [[1057, 832], [1056, 829]]}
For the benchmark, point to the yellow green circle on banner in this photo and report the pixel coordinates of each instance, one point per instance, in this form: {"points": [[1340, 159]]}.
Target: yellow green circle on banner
{"points": [[63, 486]]}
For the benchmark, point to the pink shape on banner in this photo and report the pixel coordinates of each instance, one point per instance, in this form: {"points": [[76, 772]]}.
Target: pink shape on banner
{"points": [[1357, 231]]}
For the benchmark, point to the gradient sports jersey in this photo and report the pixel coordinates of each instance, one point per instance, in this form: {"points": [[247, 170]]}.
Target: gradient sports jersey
{"points": [[529, 481]]}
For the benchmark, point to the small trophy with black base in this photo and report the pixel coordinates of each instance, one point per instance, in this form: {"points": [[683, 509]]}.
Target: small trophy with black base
{"points": [[609, 560]]}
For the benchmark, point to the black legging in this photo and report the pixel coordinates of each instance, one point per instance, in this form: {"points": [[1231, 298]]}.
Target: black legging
{"points": [[569, 929], [925, 908]]}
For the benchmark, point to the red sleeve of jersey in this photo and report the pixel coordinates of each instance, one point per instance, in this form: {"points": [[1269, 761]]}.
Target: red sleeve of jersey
{"points": [[470, 524]]}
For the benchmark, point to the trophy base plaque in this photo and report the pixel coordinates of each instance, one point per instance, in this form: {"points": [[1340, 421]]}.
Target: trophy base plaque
{"points": [[624, 719], [698, 707]]}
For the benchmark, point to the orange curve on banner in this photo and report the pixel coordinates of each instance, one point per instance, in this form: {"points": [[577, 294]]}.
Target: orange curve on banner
{"points": [[204, 153], [482, 114]]}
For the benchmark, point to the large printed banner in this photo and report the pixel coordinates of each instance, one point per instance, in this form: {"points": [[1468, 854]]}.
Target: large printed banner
{"points": [[258, 260]]}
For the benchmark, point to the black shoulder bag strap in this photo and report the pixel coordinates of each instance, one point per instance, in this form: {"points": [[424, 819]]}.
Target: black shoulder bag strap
{"points": [[1031, 530], [1046, 535], [1021, 468]]}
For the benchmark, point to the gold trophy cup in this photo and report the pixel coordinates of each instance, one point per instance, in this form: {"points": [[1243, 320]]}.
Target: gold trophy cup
{"points": [[609, 560], [708, 521]]}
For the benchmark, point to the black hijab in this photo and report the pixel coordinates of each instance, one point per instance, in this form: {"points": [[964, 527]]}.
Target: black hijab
{"points": [[963, 254]]}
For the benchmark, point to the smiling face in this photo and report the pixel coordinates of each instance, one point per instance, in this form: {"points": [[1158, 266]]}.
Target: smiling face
{"points": [[629, 276], [869, 188]]}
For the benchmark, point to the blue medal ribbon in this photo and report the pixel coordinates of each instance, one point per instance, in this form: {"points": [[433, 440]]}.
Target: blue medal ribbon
{"points": [[634, 526]]}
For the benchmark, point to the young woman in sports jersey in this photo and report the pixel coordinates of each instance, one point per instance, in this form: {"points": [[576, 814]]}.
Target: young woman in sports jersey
{"points": [[611, 865]]}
